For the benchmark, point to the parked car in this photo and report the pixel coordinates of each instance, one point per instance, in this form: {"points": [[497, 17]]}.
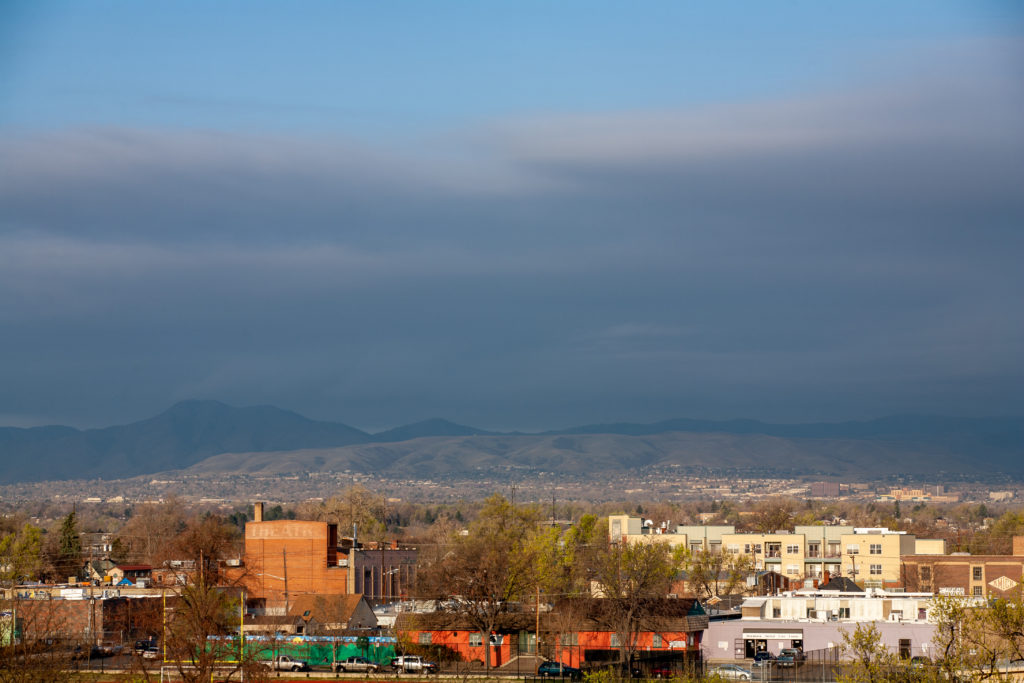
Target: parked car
{"points": [[763, 658], [151, 653], [731, 672], [559, 670], [360, 664], [142, 645], [921, 662], [661, 671]]}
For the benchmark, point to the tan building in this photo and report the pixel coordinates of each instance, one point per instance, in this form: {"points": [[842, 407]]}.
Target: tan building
{"points": [[871, 556]]}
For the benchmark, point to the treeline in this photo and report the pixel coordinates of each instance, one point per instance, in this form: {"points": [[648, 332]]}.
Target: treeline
{"points": [[40, 542]]}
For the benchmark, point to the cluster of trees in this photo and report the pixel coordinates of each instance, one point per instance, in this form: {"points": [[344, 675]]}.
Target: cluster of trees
{"points": [[973, 642], [28, 553], [508, 556]]}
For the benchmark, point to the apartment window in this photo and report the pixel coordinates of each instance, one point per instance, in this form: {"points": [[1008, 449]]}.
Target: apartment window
{"points": [[746, 548], [776, 612], [853, 549], [475, 640], [926, 573], [757, 548], [876, 569], [570, 639], [656, 640], [614, 642], [792, 549], [976, 573], [843, 613], [792, 569], [875, 548], [427, 638], [733, 549], [813, 550], [977, 591]]}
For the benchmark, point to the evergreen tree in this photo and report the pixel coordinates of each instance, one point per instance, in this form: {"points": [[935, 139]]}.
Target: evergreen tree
{"points": [[69, 554]]}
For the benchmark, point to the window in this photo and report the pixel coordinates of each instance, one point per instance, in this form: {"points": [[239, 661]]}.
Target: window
{"points": [[875, 548], [792, 549], [570, 639], [926, 573], [844, 613], [904, 648], [976, 573], [876, 569], [746, 548], [977, 591], [853, 549], [793, 569], [475, 640], [614, 642], [776, 612], [656, 640], [757, 548], [426, 638], [733, 549]]}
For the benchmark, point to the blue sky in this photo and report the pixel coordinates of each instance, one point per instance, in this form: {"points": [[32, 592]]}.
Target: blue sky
{"points": [[516, 214]]}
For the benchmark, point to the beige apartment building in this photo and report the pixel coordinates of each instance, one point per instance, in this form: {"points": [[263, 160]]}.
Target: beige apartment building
{"points": [[870, 556]]}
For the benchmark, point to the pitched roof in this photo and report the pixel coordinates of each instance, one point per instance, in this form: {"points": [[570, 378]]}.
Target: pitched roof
{"points": [[327, 609], [840, 583]]}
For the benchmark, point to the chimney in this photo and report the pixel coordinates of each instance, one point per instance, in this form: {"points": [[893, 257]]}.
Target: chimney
{"points": [[826, 576], [257, 512]]}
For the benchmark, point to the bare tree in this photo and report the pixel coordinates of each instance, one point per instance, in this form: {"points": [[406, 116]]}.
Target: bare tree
{"points": [[633, 580], [718, 574], [480, 574]]}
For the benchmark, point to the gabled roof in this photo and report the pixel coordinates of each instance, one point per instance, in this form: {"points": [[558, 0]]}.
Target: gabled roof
{"points": [[841, 583], [327, 609]]}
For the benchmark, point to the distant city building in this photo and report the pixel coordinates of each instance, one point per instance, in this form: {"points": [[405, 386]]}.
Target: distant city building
{"points": [[825, 489]]}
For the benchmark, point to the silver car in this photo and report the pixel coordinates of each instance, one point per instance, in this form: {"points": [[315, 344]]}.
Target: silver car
{"points": [[731, 672]]}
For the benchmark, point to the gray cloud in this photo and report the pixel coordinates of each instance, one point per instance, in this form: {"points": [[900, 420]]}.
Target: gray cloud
{"points": [[848, 255]]}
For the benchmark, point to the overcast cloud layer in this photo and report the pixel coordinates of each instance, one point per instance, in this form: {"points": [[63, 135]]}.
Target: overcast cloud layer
{"points": [[839, 255]]}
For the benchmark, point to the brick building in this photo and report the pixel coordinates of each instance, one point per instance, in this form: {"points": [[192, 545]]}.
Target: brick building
{"points": [[988, 576], [286, 559]]}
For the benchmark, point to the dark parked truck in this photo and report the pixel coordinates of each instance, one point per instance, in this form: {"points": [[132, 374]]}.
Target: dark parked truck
{"points": [[790, 657]]}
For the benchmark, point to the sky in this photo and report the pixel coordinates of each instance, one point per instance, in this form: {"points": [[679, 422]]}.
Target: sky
{"points": [[514, 215]]}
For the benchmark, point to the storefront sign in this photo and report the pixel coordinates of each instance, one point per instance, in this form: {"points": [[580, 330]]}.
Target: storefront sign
{"points": [[773, 635]]}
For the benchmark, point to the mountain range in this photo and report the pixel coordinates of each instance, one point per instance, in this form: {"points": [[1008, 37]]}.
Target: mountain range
{"points": [[210, 436]]}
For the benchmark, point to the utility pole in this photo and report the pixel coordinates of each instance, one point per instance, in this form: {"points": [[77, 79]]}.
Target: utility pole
{"points": [[853, 572], [284, 561], [536, 628]]}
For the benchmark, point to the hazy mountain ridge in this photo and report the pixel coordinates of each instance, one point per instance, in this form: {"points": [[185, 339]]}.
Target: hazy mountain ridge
{"points": [[212, 436], [437, 457]]}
